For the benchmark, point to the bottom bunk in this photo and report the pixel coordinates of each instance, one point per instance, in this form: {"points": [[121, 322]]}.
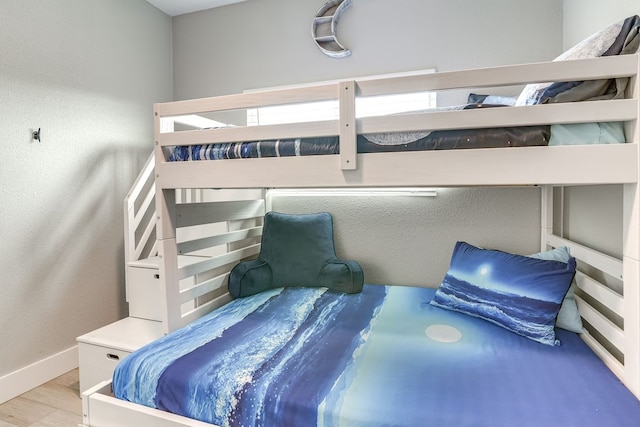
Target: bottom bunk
{"points": [[385, 356]]}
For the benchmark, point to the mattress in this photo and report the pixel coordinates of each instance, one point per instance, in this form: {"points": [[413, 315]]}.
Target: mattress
{"points": [[385, 356], [526, 136]]}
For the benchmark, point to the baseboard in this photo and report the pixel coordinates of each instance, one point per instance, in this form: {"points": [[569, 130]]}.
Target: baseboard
{"points": [[38, 373]]}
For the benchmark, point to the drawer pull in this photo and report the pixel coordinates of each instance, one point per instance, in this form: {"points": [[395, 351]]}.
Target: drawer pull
{"points": [[157, 276], [113, 356]]}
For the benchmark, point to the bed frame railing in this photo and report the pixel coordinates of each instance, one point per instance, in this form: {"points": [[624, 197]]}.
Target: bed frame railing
{"points": [[223, 229], [607, 296], [140, 218], [346, 92]]}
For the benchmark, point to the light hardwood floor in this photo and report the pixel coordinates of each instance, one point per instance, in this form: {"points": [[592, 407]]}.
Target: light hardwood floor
{"points": [[54, 404]]}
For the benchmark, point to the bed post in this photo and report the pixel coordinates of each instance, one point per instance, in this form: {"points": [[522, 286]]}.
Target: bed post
{"points": [[631, 258], [631, 289], [165, 234], [546, 216], [348, 134]]}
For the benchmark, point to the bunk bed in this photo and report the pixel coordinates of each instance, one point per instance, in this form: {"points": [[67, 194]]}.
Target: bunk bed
{"points": [[613, 316]]}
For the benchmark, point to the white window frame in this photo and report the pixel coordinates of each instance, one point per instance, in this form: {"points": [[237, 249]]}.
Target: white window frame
{"points": [[328, 110]]}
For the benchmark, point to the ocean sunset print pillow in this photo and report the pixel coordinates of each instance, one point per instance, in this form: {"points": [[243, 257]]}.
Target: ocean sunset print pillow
{"points": [[519, 293]]}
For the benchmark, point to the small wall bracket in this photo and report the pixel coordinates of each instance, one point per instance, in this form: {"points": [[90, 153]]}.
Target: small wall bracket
{"points": [[36, 135]]}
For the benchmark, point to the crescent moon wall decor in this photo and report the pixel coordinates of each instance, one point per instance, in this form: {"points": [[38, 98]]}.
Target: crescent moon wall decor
{"points": [[324, 26]]}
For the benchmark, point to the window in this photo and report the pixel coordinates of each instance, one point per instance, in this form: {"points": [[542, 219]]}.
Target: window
{"points": [[328, 110]]}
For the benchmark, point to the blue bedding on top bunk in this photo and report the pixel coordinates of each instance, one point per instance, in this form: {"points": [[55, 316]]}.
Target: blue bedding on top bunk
{"points": [[301, 357]]}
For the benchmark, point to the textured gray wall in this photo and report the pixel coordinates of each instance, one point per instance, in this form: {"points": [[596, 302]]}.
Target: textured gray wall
{"points": [[87, 73], [258, 44], [409, 240]]}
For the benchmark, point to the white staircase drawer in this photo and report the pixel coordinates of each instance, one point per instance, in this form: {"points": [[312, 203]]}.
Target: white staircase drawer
{"points": [[97, 363]]}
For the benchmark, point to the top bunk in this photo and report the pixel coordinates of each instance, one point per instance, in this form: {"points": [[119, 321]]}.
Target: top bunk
{"points": [[537, 163]]}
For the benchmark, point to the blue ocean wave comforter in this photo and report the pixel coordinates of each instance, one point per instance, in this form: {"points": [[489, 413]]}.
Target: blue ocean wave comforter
{"points": [[384, 357]]}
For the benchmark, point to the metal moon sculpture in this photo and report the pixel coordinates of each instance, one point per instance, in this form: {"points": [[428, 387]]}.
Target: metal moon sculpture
{"points": [[324, 26]]}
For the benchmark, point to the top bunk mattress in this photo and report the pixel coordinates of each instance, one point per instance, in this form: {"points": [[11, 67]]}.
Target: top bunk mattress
{"points": [[523, 136], [382, 357]]}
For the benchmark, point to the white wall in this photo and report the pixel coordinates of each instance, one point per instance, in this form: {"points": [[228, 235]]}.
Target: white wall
{"points": [[256, 44], [585, 17], [87, 73]]}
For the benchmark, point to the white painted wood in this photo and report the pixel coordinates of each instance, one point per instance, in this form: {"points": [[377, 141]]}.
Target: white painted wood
{"points": [[204, 213], [252, 133], [584, 69], [612, 363], [133, 216], [31, 376], [101, 350], [603, 262], [205, 308], [218, 261], [144, 287], [101, 409], [546, 216], [593, 164], [631, 289], [581, 112], [233, 236], [631, 258], [169, 284], [348, 146], [601, 293], [603, 325], [204, 287], [249, 100]]}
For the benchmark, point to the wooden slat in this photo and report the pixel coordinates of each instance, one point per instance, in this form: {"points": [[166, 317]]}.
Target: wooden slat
{"points": [[145, 205], [603, 353], [631, 290], [249, 100], [601, 293], [593, 164], [583, 112], [606, 327], [140, 181], [208, 242], [348, 135], [218, 261], [585, 69], [547, 114], [105, 410], [169, 284], [205, 308], [190, 214], [605, 263], [251, 133], [202, 288], [151, 225]]}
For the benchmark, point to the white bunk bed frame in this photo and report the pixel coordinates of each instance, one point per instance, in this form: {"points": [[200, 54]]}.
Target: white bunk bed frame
{"points": [[614, 318]]}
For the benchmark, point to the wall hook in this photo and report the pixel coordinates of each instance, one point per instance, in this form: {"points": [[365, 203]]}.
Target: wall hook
{"points": [[36, 135]]}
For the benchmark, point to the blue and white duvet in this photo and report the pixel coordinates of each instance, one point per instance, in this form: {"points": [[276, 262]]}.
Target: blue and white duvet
{"points": [[384, 357]]}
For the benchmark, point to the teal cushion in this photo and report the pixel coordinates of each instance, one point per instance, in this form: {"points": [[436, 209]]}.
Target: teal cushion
{"points": [[296, 250], [519, 293]]}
